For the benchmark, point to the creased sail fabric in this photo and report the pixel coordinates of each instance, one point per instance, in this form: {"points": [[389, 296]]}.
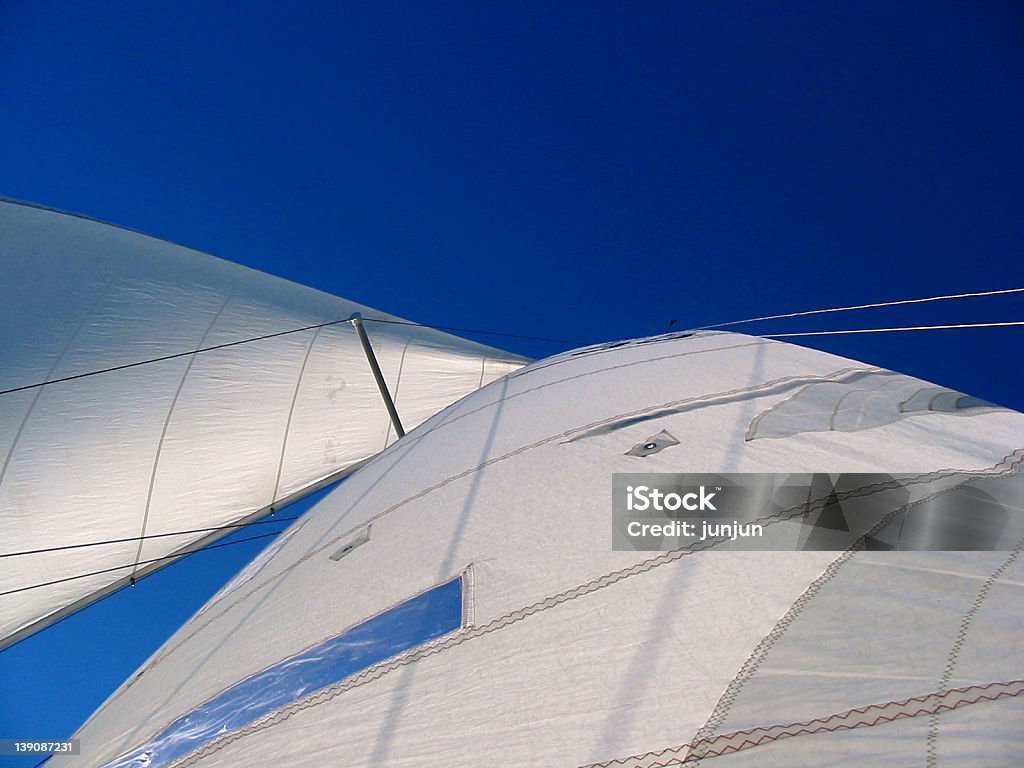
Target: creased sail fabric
{"points": [[572, 654], [192, 441]]}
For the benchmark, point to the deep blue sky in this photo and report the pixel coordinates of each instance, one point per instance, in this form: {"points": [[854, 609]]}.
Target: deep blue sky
{"points": [[583, 171]]}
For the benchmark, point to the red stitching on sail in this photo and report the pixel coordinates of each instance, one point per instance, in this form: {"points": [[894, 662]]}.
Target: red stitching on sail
{"points": [[933, 703]]}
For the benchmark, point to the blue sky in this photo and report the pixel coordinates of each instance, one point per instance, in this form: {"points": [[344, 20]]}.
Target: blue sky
{"points": [[579, 171]]}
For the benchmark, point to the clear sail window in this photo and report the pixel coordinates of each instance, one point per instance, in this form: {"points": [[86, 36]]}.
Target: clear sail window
{"points": [[429, 615]]}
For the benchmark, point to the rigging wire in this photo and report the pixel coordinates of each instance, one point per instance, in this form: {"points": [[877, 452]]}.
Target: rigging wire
{"points": [[459, 329], [887, 330], [173, 356], [865, 306], [287, 519], [315, 326], [141, 562], [464, 330], [149, 536], [475, 330]]}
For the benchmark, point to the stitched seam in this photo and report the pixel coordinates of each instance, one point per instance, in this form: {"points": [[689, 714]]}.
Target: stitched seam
{"points": [[760, 653], [382, 668], [931, 749], [291, 413], [408, 443], [465, 575], [56, 363], [860, 717], [163, 434], [584, 374], [765, 389]]}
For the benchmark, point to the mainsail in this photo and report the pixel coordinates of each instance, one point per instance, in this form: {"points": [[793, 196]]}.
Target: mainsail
{"points": [[149, 389], [458, 601]]}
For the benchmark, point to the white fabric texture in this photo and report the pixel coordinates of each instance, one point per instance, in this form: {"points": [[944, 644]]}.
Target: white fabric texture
{"points": [[195, 441], [573, 654]]}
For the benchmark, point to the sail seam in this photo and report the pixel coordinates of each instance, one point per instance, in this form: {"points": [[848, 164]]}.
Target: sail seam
{"points": [[778, 386], [412, 440], [961, 638], [760, 653], [633, 364], [606, 580], [860, 717], [163, 436], [712, 399], [288, 422], [56, 363]]}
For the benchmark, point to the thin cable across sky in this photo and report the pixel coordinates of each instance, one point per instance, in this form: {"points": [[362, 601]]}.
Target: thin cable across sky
{"points": [[866, 306], [504, 334]]}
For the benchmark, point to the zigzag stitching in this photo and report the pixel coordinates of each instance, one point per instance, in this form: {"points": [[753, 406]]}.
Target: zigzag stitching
{"points": [[840, 721], [931, 742], [670, 404], [751, 665], [457, 638], [414, 439]]}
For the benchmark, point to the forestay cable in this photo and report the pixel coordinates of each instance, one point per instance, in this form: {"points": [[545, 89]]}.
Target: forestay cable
{"points": [[887, 330], [866, 306]]}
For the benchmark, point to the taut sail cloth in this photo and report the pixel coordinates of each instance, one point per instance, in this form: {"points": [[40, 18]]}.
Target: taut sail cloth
{"points": [[191, 441], [458, 601]]}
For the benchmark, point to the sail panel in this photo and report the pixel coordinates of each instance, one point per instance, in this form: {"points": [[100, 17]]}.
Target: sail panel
{"points": [[576, 654], [224, 427]]}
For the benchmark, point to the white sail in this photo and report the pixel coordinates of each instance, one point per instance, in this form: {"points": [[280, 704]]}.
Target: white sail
{"points": [[488, 528], [192, 441]]}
